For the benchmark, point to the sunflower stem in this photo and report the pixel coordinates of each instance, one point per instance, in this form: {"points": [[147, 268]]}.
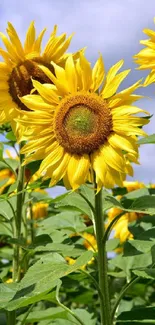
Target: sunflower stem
{"points": [[11, 317], [102, 262], [18, 220]]}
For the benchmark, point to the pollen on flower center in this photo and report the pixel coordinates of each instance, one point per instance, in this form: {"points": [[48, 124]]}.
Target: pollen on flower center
{"points": [[82, 123], [20, 80]]}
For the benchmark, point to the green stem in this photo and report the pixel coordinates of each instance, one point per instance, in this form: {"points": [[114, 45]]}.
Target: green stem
{"points": [[121, 295], [70, 312], [102, 262], [11, 318], [18, 220], [93, 281], [27, 314]]}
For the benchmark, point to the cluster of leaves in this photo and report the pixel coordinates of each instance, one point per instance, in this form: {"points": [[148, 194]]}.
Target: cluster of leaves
{"points": [[58, 272]]}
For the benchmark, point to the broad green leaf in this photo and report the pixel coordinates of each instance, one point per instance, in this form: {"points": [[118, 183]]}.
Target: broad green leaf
{"points": [[43, 276], [7, 292], [5, 208], [137, 193], [10, 163], [148, 139], [10, 136], [145, 203], [143, 313], [128, 263], [70, 220], [33, 166], [49, 313], [60, 313], [147, 273], [39, 196], [64, 249], [5, 229], [74, 199], [132, 246], [112, 244]]}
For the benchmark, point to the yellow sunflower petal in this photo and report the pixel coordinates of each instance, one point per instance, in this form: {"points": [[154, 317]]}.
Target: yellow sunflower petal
{"points": [[111, 87], [30, 38], [78, 169], [113, 157], [71, 74], [15, 39], [98, 74], [123, 143], [86, 72]]}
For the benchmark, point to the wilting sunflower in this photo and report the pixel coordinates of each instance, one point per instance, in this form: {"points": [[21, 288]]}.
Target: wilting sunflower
{"points": [[146, 57], [21, 65], [82, 127]]}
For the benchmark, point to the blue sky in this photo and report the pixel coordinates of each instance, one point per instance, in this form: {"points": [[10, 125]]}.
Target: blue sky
{"points": [[112, 27]]}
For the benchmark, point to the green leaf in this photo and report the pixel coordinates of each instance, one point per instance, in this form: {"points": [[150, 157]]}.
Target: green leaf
{"points": [[74, 199], [64, 249], [43, 276], [148, 139], [49, 313], [137, 193], [10, 136], [128, 263], [112, 244], [33, 166], [145, 203], [147, 273], [7, 292], [139, 246], [143, 313], [5, 208], [70, 220]]}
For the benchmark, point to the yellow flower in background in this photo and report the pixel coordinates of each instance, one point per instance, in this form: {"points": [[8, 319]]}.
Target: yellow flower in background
{"points": [[121, 230], [39, 210], [146, 57], [132, 186], [90, 241], [9, 176], [82, 125], [21, 64]]}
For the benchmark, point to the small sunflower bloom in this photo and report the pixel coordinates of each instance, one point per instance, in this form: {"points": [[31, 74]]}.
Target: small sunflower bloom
{"points": [[121, 230], [146, 57], [81, 125], [20, 65], [132, 186], [40, 210], [8, 177], [90, 241]]}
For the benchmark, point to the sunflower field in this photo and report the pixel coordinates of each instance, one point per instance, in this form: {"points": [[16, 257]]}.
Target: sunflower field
{"points": [[87, 255]]}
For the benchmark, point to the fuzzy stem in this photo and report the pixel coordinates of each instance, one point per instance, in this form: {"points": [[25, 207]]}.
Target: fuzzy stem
{"points": [[102, 262], [18, 220]]}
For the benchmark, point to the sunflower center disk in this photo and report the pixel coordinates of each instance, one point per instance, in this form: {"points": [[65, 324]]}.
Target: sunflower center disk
{"points": [[20, 80], [82, 123]]}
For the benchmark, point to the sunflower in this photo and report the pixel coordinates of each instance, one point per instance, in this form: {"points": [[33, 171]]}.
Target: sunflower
{"points": [[121, 230], [39, 210], [20, 65], [146, 57], [81, 128]]}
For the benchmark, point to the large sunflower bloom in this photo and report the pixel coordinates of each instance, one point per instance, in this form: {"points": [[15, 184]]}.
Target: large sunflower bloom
{"points": [[146, 57], [82, 127], [21, 65]]}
